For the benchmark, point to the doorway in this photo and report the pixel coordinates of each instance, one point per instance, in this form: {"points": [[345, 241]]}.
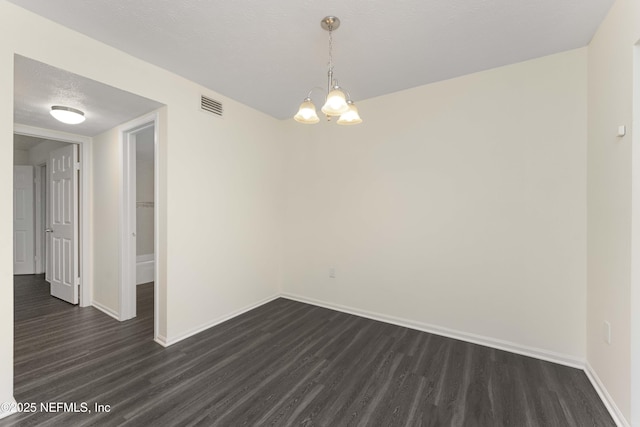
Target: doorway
{"points": [[139, 217], [33, 151]]}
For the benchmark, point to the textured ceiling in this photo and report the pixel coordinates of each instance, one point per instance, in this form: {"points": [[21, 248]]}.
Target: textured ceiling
{"points": [[38, 86], [269, 54]]}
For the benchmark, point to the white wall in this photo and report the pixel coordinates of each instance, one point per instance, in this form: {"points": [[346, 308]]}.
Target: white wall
{"points": [[612, 187], [459, 205], [220, 193], [21, 158], [225, 208], [106, 181]]}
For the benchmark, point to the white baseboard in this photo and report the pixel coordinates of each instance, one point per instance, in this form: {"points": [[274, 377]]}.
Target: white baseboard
{"points": [[166, 342], [162, 340], [512, 347], [106, 310], [145, 269], [613, 409], [8, 408]]}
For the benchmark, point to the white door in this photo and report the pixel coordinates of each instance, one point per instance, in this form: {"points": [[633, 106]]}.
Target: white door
{"points": [[63, 169], [23, 221]]}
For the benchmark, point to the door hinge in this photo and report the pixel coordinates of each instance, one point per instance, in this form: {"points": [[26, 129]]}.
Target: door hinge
{"points": [[78, 281], [77, 166]]}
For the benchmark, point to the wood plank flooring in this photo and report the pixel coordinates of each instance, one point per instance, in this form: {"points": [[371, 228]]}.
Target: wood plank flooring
{"points": [[282, 364]]}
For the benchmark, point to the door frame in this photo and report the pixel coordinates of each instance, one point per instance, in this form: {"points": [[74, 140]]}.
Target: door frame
{"points": [[128, 216], [84, 142], [635, 241], [40, 180]]}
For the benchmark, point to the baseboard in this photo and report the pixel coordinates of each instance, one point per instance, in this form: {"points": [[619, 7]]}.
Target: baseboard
{"points": [[562, 359], [145, 269], [106, 310], [162, 340], [613, 409], [8, 408], [166, 342]]}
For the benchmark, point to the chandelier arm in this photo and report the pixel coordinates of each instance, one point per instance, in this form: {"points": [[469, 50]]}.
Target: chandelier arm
{"points": [[348, 95], [312, 89]]}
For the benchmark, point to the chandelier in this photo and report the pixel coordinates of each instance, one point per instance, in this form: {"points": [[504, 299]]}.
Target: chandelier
{"points": [[336, 104]]}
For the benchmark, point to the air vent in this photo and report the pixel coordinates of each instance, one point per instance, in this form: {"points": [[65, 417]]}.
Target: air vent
{"points": [[211, 105]]}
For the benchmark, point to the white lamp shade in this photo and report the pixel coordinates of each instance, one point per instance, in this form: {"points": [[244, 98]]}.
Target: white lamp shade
{"points": [[351, 117], [336, 103], [67, 115], [307, 113]]}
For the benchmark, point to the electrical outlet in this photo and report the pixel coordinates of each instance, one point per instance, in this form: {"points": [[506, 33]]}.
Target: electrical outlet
{"points": [[332, 273], [606, 330]]}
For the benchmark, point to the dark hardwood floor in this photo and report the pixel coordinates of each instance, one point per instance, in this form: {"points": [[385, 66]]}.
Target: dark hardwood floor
{"points": [[284, 363]]}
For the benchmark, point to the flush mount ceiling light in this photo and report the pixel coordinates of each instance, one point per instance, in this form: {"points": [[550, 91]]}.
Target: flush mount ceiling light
{"points": [[67, 115], [336, 103]]}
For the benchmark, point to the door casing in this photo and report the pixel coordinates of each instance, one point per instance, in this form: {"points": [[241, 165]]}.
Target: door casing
{"points": [[40, 213]]}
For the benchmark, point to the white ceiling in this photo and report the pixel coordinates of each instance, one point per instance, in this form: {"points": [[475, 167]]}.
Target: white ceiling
{"points": [[269, 54], [38, 86]]}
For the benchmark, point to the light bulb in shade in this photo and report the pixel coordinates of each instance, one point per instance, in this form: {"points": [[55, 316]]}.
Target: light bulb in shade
{"points": [[307, 113], [351, 117], [336, 103], [67, 115]]}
